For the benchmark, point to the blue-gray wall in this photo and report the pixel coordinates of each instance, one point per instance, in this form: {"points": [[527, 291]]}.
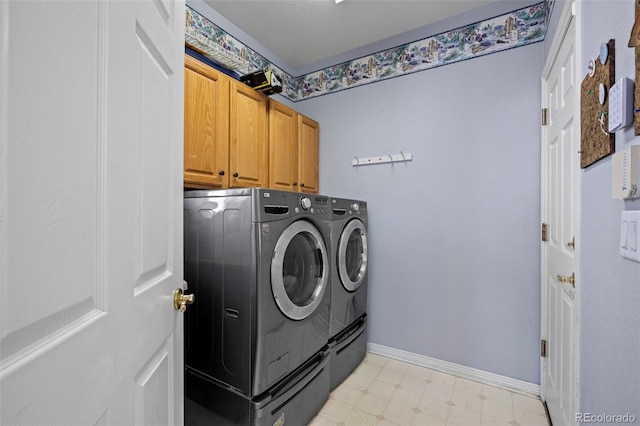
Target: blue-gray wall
{"points": [[610, 311], [454, 260]]}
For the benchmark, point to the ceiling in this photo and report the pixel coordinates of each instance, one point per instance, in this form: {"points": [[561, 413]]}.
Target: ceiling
{"points": [[305, 32]]}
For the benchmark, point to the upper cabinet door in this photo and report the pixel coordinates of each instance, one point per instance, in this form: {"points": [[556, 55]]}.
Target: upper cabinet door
{"points": [[206, 126], [308, 156], [248, 159], [283, 147]]}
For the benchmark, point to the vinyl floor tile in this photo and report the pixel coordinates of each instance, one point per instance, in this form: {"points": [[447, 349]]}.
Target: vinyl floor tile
{"points": [[385, 391]]}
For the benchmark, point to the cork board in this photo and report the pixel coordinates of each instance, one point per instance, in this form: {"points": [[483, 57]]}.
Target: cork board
{"points": [[636, 106], [595, 140]]}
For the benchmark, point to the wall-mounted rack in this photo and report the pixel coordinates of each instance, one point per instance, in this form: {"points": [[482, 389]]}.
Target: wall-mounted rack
{"points": [[386, 158]]}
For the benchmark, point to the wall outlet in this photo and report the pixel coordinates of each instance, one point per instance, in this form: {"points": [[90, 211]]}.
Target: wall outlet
{"points": [[621, 104]]}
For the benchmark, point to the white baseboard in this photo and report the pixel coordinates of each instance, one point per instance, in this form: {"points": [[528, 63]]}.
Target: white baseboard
{"points": [[504, 382]]}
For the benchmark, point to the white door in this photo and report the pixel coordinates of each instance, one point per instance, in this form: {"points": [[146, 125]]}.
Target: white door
{"points": [[91, 212], [560, 204]]}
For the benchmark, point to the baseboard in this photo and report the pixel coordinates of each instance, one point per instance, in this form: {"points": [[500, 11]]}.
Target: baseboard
{"points": [[504, 382]]}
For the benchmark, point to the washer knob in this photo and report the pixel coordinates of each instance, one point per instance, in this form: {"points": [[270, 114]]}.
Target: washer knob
{"points": [[305, 203], [355, 207]]}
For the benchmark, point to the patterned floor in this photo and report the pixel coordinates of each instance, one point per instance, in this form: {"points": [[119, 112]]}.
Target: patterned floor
{"points": [[384, 391]]}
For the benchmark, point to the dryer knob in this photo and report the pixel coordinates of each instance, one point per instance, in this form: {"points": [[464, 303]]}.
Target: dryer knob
{"points": [[355, 207], [305, 203]]}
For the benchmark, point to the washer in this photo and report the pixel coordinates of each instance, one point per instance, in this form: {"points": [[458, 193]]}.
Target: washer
{"points": [[258, 262], [348, 317]]}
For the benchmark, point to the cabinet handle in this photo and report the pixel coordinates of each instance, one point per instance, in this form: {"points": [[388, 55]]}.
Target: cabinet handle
{"points": [[221, 172], [295, 184], [235, 175], [302, 184]]}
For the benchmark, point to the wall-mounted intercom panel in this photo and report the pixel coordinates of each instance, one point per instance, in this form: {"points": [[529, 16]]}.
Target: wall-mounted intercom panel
{"points": [[625, 177], [621, 104]]}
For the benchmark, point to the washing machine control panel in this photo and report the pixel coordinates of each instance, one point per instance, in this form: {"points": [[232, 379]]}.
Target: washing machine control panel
{"points": [[317, 205], [305, 203]]}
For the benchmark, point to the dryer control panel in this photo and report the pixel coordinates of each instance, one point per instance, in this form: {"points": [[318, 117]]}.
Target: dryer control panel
{"points": [[316, 205], [274, 204], [321, 205], [305, 203]]}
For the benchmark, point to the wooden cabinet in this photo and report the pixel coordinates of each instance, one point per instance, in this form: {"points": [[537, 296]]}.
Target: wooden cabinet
{"points": [[206, 128], [237, 137], [308, 155], [293, 150], [225, 130], [249, 148], [283, 147]]}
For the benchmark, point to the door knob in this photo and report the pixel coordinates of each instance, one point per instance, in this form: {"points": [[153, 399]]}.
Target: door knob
{"points": [[572, 243], [181, 300], [567, 280]]}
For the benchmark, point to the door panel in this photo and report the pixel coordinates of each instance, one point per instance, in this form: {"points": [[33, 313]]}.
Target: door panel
{"points": [[560, 162], [154, 389], [40, 222], [248, 137], [153, 155], [308, 155], [283, 147], [206, 121], [90, 229]]}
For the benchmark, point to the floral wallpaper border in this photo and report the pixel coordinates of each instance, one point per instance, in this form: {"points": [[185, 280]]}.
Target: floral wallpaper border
{"points": [[514, 29]]}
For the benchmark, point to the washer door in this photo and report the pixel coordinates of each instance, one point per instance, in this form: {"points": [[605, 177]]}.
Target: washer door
{"points": [[352, 255], [299, 270]]}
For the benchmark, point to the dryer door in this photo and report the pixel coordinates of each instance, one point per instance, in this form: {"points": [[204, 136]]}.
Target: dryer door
{"points": [[299, 270], [352, 255]]}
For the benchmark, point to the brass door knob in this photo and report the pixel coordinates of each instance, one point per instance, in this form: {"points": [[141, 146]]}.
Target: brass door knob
{"points": [[568, 280], [181, 300]]}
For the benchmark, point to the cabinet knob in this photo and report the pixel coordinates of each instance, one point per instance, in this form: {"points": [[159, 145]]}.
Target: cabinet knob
{"points": [[235, 175], [221, 172], [302, 184], [295, 184]]}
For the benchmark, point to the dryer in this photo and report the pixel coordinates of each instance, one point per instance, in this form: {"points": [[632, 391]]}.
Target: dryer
{"points": [[256, 340], [349, 272]]}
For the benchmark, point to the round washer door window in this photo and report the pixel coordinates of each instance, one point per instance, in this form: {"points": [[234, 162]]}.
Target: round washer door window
{"points": [[299, 270], [352, 255]]}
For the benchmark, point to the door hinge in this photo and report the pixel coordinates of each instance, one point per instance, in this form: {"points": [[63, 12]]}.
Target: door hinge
{"points": [[544, 232], [543, 348], [545, 111]]}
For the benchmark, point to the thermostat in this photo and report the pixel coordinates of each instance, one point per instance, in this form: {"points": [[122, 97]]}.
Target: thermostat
{"points": [[626, 173]]}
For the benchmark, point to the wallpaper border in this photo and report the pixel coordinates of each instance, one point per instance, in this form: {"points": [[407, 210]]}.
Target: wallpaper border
{"points": [[514, 29]]}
